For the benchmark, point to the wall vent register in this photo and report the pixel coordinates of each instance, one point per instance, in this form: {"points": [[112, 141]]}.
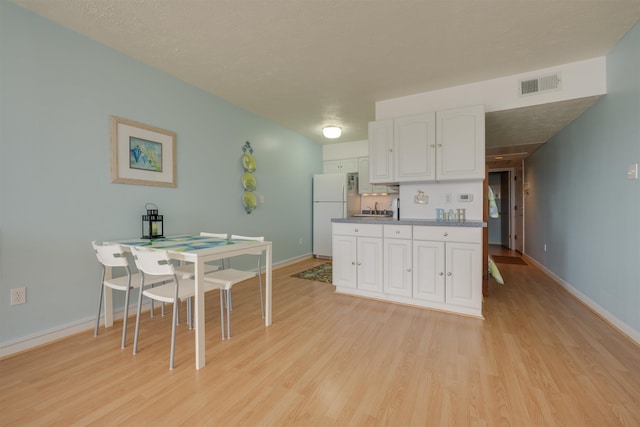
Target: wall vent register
{"points": [[540, 84]]}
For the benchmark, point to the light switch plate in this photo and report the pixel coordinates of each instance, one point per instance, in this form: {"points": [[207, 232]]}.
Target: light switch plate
{"points": [[632, 171]]}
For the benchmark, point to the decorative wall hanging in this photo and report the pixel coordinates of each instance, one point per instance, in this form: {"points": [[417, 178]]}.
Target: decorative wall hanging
{"points": [[248, 179], [142, 154]]}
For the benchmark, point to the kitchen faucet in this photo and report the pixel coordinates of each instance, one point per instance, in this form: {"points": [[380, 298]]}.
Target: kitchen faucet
{"points": [[375, 208]]}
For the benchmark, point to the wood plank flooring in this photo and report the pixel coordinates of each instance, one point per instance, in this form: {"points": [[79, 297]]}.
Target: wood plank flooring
{"points": [[540, 358]]}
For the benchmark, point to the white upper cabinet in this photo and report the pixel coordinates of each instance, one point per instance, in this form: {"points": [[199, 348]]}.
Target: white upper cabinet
{"points": [[364, 186], [381, 151], [460, 144], [340, 166], [414, 148], [444, 146]]}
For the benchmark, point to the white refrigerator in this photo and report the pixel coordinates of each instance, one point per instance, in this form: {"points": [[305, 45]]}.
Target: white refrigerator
{"points": [[334, 196]]}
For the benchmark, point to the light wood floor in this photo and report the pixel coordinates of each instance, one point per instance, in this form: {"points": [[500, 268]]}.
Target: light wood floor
{"points": [[540, 358]]}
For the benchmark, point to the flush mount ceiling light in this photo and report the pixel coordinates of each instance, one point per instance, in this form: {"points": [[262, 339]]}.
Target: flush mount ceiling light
{"points": [[332, 132]]}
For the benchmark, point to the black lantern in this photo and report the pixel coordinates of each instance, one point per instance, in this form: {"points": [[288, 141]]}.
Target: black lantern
{"points": [[152, 223]]}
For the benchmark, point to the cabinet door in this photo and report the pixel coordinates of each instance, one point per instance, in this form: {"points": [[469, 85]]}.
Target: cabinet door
{"points": [[331, 166], [381, 151], [397, 267], [414, 148], [460, 144], [463, 274], [370, 264], [428, 271], [349, 165], [364, 186], [344, 261], [340, 166]]}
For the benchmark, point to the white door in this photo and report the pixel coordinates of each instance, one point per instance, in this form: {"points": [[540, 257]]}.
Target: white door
{"points": [[322, 214]]}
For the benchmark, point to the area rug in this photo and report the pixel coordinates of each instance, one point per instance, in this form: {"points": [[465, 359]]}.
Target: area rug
{"points": [[321, 273], [508, 260]]}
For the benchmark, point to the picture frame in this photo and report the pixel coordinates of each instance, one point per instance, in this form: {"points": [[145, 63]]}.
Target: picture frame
{"points": [[142, 154]]}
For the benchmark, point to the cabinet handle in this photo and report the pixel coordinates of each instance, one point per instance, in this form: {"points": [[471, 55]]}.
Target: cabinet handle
{"points": [[449, 273], [356, 230], [445, 234], [397, 231], [433, 146], [391, 150], [359, 263], [353, 263], [439, 145], [408, 270], [441, 274]]}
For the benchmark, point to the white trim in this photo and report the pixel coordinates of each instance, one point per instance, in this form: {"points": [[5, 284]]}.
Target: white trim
{"points": [[47, 336], [592, 305]]}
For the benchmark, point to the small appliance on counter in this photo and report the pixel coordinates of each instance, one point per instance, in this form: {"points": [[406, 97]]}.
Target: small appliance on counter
{"points": [[395, 208]]}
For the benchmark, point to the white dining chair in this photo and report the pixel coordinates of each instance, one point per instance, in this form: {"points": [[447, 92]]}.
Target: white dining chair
{"points": [[112, 256], [225, 279], [187, 270], [156, 263]]}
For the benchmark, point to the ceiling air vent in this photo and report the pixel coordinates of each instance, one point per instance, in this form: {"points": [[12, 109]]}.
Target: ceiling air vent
{"points": [[540, 84]]}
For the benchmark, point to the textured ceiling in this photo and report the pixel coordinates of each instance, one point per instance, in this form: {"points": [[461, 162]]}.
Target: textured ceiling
{"points": [[307, 63]]}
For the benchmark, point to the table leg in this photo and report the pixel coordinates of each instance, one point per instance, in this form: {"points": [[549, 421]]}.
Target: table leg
{"points": [[268, 314], [199, 313]]}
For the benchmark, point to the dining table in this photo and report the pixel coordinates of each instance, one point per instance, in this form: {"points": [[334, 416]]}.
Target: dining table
{"points": [[199, 250]]}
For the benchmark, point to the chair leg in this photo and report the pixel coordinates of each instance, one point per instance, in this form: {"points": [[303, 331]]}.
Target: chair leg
{"points": [[95, 332], [222, 312], [260, 284], [126, 315], [173, 330], [190, 313], [138, 311], [228, 292]]}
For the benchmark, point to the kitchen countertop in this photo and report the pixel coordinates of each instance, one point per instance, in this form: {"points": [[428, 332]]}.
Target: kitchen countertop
{"points": [[409, 221]]}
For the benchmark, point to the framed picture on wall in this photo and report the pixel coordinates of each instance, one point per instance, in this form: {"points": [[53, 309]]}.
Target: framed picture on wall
{"points": [[142, 154]]}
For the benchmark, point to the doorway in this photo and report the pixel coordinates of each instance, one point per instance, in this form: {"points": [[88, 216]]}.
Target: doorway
{"points": [[500, 226], [507, 229]]}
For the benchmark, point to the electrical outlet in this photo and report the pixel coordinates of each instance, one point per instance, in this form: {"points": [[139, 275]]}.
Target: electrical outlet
{"points": [[301, 240], [18, 296], [545, 247]]}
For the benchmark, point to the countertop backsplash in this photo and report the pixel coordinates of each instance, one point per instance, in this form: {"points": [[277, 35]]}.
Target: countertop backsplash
{"points": [[369, 202], [444, 195]]}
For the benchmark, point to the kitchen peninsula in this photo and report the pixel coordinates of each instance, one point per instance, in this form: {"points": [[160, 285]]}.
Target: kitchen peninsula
{"points": [[420, 262]]}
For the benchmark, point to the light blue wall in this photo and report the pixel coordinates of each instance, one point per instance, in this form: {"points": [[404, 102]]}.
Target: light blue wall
{"points": [[57, 91], [580, 202]]}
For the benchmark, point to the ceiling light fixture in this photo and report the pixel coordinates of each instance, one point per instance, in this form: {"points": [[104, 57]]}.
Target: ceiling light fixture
{"points": [[332, 132]]}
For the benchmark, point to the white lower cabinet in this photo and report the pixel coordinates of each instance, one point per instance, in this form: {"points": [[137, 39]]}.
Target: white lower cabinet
{"points": [[448, 267], [357, 256], [397, 260], [427, 266]]}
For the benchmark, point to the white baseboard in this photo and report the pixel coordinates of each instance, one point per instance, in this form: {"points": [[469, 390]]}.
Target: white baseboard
{"points": [[625, 329], [28, 342]]}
